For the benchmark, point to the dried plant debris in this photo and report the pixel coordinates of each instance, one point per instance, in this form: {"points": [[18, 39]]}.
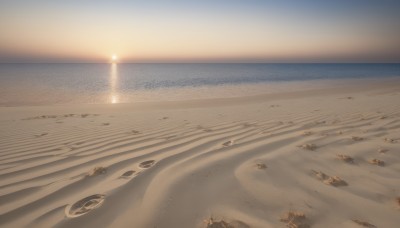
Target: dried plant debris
{"points": [[42, 117], [329, 180], [97, 171], [261, 166], [295, 219], [345, 158], [60, 116], [364, 223], [389, 140], [356, 138], [335, 181], [308, 146], [377, 162], [212, 223], [382, 150], [307, 133], [320, 175]]}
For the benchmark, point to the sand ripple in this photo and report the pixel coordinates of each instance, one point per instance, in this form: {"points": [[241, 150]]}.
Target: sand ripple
{"points": [[140, 168]]}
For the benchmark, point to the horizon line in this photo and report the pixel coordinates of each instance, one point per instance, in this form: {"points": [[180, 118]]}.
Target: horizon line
{"points": [[200, 62]]}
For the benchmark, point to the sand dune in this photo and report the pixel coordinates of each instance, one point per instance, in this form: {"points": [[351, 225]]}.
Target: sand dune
{"points": [[311, 159]]}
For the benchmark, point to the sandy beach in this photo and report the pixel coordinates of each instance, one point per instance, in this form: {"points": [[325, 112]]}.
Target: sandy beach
{"points": [[312, 158]]}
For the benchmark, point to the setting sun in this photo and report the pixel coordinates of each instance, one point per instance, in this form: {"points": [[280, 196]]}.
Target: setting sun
{"points": [[114, 57]]}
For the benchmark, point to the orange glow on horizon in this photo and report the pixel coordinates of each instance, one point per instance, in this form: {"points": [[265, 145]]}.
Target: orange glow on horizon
{"points": [[186, 35]]}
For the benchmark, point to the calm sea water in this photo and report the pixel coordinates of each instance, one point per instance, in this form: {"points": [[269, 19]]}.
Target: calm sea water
{"points": [[29, 84]]}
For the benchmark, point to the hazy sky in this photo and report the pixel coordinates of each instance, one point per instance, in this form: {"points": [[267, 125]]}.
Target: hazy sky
{"points": [[200, 31]]}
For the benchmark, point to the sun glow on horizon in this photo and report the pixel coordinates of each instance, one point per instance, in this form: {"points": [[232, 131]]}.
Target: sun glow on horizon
{"points": [[114, 57], [199, 31]]}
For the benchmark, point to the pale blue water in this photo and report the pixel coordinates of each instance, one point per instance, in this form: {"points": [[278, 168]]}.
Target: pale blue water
{"points": [[22, 84]]}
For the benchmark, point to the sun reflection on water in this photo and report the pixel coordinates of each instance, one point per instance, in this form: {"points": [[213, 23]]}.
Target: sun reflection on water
{"points": [[113, 84]]}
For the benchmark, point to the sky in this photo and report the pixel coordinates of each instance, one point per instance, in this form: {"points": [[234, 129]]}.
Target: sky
{"points": [[200, 31]]}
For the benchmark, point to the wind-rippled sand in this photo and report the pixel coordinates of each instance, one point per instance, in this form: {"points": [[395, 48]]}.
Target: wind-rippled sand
{"points": [[306, 159]]}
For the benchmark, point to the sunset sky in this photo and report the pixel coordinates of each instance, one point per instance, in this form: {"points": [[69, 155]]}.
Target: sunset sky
{"points": [[200, 31]]}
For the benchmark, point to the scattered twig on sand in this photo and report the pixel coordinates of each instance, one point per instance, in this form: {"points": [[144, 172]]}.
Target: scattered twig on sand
{"points": [[295, 219]]}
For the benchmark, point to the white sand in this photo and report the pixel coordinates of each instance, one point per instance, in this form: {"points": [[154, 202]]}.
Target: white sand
{"points": [[245, 160]]}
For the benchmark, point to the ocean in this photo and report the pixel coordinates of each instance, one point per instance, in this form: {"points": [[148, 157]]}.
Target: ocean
{"points": [[47, 84]]}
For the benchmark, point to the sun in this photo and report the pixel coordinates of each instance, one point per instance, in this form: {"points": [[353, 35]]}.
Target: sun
{"points": [[114, 57]]}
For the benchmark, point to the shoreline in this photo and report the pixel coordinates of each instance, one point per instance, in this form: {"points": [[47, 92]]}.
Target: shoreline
{"points": [[280, 90]]}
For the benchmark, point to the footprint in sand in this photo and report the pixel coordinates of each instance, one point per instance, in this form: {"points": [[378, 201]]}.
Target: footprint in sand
{"points": [[348, 98], [79, 143], [147, 164], [363, 223], [84, 205], [207, 130], [106, 124], [41, 135], [128, 174], [228, 143]]}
